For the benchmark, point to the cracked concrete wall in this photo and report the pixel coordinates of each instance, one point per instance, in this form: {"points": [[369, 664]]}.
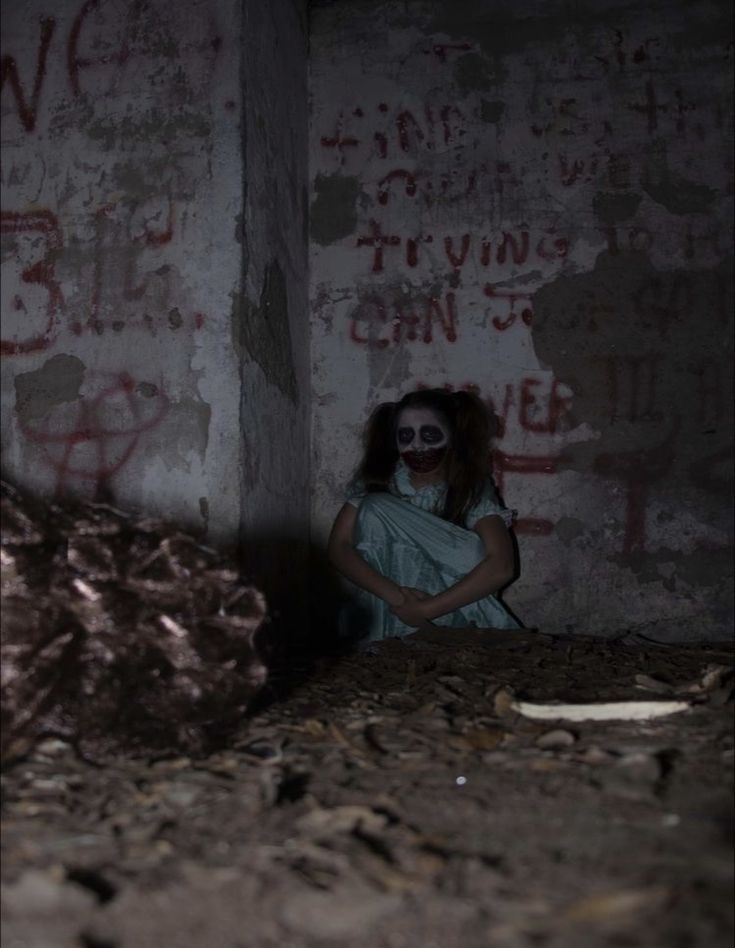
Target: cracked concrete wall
{"points": [[154, 291], [538, 205]]}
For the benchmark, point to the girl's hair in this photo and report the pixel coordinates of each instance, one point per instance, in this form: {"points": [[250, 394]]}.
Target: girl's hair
{"points": [[468, 456]]}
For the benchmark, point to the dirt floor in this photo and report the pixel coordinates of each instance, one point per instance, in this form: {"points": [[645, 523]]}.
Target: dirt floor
{"points": [[395, 799]]}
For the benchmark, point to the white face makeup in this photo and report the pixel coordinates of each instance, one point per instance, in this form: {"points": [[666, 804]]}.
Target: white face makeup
{"points": [[422, 439]]}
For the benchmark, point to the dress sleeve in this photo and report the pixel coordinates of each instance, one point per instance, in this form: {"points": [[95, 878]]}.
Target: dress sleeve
{"points": [[355, 493], [487, 506]]}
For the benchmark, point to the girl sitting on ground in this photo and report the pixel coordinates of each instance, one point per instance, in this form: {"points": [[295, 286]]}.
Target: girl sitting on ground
{"points": [[422, 534]]}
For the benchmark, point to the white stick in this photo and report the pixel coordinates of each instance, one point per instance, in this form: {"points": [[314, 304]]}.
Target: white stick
{"points": [[607, 711]]}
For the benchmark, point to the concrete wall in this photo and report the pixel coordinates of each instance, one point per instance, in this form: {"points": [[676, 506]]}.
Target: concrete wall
{"points": [[154, 297], [536, 201]]}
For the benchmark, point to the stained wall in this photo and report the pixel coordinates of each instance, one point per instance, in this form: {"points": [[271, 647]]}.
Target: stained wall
{"points": [[535, 202], [154, 295]]}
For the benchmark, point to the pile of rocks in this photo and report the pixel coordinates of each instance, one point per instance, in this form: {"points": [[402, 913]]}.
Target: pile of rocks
{"points": [[120, 634]]}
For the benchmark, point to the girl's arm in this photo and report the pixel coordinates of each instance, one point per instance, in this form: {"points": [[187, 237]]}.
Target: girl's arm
{"points": [[345, 558], [491, 574]]}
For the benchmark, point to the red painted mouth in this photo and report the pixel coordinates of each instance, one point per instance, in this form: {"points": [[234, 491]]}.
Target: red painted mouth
{"points": [[424, 462]]}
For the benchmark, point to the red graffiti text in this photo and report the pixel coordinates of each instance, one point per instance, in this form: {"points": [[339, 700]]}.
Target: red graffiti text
{"points": [[40, 272], [390, 319]]}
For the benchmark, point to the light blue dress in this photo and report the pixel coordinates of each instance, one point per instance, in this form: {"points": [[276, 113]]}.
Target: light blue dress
{"points": [[399, 534]]}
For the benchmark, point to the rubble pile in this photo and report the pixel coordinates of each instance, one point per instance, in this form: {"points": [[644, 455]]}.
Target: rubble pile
{"points": [[120, 634]]}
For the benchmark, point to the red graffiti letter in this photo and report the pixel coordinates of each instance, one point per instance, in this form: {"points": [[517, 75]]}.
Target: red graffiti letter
{"points": [[457, 259], [9, 71], [41, 272], [75, 62]]}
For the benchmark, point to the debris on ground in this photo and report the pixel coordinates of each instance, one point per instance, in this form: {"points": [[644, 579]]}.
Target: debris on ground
{"points": [[599, 711], [120, 635], [396, 798]]}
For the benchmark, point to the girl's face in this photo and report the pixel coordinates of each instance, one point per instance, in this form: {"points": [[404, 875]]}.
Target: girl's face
{"points": [[422, 439]]}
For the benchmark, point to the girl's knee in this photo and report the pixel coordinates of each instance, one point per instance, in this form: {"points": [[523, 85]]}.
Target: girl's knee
{"points": [[373, 513]]}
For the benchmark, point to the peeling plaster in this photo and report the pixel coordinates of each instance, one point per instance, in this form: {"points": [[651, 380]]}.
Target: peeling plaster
{"points": [[614, 207], [186, 432], [569, 528], [701, 569], [58, 380], [334, 210], [501, 34], [491, 112], [263, 331], [672, 191], [473, 73], [151, 126]]}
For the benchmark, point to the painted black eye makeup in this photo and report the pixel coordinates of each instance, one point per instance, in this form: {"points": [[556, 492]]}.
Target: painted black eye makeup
{"points": [[405, 435], [431, 434]]}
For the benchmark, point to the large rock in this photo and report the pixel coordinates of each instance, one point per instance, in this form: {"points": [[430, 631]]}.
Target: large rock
{"points": [[120, 635]]}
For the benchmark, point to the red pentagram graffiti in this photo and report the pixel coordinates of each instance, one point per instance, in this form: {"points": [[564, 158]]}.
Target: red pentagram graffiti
{"points": [[89, 440]]}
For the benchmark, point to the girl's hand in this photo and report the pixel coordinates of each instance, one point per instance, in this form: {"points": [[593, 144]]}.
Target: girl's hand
{"points": [[411, 611]]}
